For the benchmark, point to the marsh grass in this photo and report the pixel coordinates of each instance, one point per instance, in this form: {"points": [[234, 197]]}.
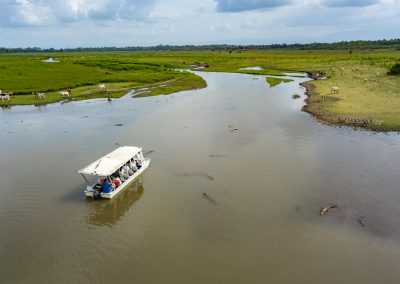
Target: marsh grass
{"points": [[377, 97], [272, 81], [25, 74], [192, 82]]}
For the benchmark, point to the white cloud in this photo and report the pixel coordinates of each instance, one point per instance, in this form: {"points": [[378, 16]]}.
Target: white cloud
{"points": [[71, 23], [240, 5], [46, 12]]}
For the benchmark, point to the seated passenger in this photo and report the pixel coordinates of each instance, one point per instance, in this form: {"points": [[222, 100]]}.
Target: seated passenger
{"points": [[121, 176], [106, 186], [132, 165], [116, 181], [126, 170]]}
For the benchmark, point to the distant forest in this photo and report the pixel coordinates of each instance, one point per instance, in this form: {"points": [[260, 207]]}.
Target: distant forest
{"points": [[343, 45]]}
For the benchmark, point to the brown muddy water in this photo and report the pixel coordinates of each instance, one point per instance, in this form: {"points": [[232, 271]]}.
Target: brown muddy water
{"points": [[233, 193]]}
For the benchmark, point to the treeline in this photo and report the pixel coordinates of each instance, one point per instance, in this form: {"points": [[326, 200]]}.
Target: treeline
{"points": [[342, 45]]}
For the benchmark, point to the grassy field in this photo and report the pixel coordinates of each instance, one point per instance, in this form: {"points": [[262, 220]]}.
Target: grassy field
{"points": [[120, 72], [366, 98]]}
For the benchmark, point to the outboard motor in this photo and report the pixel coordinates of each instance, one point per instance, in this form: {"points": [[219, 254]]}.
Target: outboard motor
{"points": [[96, 194]]}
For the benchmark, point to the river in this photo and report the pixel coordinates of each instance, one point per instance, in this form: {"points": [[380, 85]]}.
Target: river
{"points": [[233, 193]]}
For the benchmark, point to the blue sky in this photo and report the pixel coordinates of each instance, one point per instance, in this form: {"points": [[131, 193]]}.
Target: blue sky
{"points": [[74, 23]]}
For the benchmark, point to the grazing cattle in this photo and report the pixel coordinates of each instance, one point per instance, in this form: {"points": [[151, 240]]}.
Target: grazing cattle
{"points": [[64, 93], [322, 96], [102, 87], [334, 90], [378, 74], [39, 95], [365, 81], [5, 97]]}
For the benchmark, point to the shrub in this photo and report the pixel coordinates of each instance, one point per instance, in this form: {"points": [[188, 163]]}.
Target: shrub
{"points": [[395, 70]]}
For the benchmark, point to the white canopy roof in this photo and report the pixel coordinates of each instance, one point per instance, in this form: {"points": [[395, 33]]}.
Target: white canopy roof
{"points": [[111, 162]]}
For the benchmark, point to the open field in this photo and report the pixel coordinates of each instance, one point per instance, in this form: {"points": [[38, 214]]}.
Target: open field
{"points": [[25, 74], [367, 97]]}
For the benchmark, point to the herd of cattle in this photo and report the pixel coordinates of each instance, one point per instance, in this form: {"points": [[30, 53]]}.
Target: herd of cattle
{"points": [[6, 96], [320, 75]]}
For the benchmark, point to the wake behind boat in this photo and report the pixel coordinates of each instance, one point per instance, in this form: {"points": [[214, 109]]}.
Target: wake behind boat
{"points": [[114, 171]]}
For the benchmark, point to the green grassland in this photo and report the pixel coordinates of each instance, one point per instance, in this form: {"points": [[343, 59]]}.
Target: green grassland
{"points": [[375, 99], [272, 81], [24, 74]]}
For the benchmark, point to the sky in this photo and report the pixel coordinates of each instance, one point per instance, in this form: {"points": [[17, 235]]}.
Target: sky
{"points": [[103, 23]]}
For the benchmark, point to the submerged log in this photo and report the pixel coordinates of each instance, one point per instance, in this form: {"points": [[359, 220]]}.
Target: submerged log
{"points": [[322, 211]]}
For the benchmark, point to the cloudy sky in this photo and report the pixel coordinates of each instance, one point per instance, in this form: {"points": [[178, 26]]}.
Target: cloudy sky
{"points": [[84, 23]]}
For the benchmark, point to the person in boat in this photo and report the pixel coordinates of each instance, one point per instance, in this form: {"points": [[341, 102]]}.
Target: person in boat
{"points": [[106, 186], [99, 183], [139, 163], [121, 175], [127, 170], [115, 181], [132, 165]]}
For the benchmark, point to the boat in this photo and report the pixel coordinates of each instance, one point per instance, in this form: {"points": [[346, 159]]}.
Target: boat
{"points": [[111, 165]]}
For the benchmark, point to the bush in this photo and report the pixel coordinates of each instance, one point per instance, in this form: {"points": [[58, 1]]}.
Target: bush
{"points": [[395, 70]]}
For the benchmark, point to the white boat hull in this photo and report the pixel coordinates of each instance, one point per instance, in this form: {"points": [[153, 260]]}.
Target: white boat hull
{"points": [[89, 190]]}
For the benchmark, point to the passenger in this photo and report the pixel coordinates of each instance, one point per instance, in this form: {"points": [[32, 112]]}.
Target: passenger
{"points": [[116, 181], [106, 186], [139, 164], [121, 176], [126, 170], [132, 165]]}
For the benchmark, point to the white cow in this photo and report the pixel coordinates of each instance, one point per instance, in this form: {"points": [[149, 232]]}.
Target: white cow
{"points": [[39, 95], [5, 97], [334, 90], [64, 93], [102, 87]]}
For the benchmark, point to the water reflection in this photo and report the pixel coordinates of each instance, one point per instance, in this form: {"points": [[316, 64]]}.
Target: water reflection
{"points": [[6, 107], [109, 212]]}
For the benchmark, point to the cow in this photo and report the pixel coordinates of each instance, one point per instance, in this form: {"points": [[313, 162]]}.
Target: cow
{"points": [[39, 95], [334, 90], [5, 97], [66, 93]]}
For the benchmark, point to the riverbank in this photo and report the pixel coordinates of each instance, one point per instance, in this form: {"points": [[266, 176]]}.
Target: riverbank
{"points": [[112, 91], [314, 106], [366, 98]]}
